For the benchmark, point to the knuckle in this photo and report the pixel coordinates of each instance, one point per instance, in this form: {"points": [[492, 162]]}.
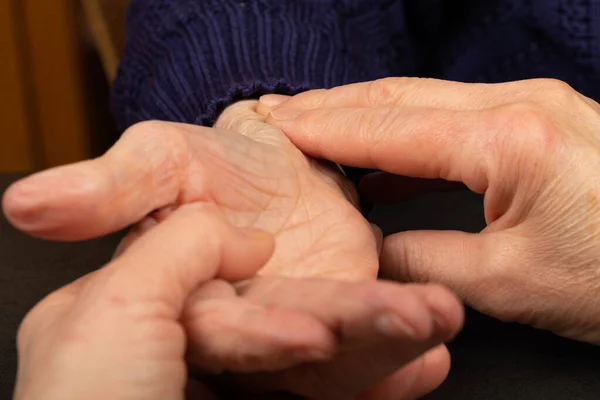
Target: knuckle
{"points": [[557, 92], [146, 129], [528, 127], [381, 90], [390, 90], [157, 135], [375, 130], [164, 146]]}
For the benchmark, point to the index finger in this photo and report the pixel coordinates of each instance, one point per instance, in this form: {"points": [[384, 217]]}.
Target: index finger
{"points": [[417, 142], [412, 92]]}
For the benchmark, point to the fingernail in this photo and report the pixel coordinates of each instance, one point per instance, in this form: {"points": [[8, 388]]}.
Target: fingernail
{"points": [[285, 114], [390, 324], [273, 100]]}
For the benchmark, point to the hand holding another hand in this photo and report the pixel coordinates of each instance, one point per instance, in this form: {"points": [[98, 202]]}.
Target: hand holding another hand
{"points": [[532, 147], [312, 323], [116, 333]]}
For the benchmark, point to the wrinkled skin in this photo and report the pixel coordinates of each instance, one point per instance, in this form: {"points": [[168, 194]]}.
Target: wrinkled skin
{"points": [[286, 329], [532, 147], [116, 332]]}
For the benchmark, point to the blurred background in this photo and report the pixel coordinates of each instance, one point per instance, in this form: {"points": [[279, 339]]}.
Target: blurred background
{"points": [[57, 61]]}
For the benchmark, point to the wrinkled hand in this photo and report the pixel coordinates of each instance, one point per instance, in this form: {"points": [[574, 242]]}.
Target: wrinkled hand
{"points": [[116, 333], [258, 179], [532, 147]]}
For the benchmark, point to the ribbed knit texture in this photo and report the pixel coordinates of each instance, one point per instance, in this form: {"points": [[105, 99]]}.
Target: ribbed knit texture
{"points": [[186, 60]]}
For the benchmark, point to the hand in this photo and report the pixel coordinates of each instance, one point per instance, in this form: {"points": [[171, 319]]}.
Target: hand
{"points": [[259, 179], [116, 333], [531, 147]]}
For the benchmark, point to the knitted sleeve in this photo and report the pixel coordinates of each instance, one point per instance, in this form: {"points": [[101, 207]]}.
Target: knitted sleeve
{"points": [[186, 60]]}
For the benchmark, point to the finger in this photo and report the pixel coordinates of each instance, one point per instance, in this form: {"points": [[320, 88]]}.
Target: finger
{"points": [[435, 370], [268, 102], [243, 118], [233, 334], [144, 171], [411, 92], [384, 188], [141, 228], [380, 329], [378, 233], [420, 377], [357, 305], [460, 261], [375, 363], [416, 142], [134, 235], [162, 268]]}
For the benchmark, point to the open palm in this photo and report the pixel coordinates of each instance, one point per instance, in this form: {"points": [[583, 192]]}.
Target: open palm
{"points": [[257, 178], [270, 185]]}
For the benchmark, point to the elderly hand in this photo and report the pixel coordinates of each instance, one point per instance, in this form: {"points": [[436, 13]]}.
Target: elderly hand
{"points": [[257, 178], [116, 333], [532, 147]]}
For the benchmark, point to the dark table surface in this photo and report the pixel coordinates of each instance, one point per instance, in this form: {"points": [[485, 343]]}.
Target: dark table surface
{"points": [[491, 360]]}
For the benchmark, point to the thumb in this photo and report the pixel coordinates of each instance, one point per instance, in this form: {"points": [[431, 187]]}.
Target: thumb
{"points": [[144, 171], [168, 262], [451, 258]]}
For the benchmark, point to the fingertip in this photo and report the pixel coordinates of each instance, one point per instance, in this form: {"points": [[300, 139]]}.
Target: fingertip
{"points": [[437, 362], [447, 311], [253, 249], [11, 204], [41, 203], [378, 233], [415, 379], [434, 371], [267, 102], [21, 202]]}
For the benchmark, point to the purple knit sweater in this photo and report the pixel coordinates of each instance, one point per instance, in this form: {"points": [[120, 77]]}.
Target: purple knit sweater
{"points": [[187, 59]]}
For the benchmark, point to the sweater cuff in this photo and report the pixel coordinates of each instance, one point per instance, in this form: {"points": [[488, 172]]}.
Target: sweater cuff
{"points": [[209, 115], [183, 58]]}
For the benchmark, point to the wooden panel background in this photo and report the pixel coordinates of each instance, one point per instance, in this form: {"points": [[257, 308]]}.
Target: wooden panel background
{"points": [[55, 51], [53, 93], [16, 143]]}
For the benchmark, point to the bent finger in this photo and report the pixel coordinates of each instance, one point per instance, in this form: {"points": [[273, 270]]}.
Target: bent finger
{"points": [[416, 142], [403, 91]]}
